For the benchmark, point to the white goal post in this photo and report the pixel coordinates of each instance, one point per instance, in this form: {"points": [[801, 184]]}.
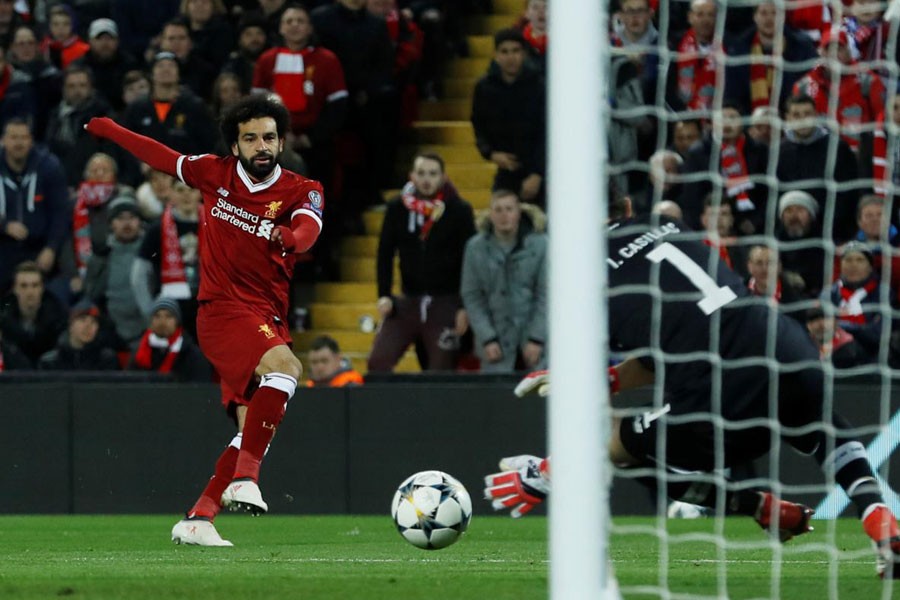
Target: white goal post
{"points": [[579, 407]]}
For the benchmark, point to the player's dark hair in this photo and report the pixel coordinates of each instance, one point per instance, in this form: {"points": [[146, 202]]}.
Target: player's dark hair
{"points": [[257, 106], [432, 156], [510, 34], [325, 341]]}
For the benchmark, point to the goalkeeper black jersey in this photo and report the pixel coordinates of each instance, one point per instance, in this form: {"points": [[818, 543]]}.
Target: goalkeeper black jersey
{"points": [[674, 303]]}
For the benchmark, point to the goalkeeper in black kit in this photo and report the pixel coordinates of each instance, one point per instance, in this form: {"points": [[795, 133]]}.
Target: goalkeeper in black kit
{"points": [[710, 334]]}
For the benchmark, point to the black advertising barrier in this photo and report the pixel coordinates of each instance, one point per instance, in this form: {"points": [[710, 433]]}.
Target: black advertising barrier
{"points": [[142, 447]]}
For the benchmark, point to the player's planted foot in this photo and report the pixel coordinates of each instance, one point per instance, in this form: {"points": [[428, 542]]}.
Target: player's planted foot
{"points": [[881, 526], [244, 495], [197, 532], [793, 519]]}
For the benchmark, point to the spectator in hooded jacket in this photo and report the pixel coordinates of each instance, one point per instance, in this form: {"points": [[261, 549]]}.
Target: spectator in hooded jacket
{"points": [[34, 215], [504, 286]]}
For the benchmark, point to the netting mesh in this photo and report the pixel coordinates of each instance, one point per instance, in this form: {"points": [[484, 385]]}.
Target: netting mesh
{"points": [[792, 104]]}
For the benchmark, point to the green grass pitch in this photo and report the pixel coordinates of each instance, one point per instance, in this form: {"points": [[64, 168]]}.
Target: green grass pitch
{"points": [[363, 558]]}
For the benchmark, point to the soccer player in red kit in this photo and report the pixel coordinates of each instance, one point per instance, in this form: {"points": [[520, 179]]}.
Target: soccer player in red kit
{"points": [[257, 218]]}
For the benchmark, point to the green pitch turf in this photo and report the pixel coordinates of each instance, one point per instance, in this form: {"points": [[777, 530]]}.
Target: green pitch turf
{"points": [[363, 558]]}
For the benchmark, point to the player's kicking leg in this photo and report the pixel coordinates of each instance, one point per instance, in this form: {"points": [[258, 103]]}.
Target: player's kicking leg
{"points": [[279, 371]]}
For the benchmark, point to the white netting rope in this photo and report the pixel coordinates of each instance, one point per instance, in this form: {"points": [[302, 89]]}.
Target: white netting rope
{"points": [[883, 425]]}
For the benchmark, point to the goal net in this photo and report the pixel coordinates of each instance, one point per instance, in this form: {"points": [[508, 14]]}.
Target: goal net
{"points": [[770, 129]]}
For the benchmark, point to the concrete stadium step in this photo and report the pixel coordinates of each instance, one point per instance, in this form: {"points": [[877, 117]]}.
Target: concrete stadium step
{"points": [[373, 220], [468, 67], [339, 292], [443, 132], [481, 46], [473, 175], [508, 7], [349, 341], [478, 197], [451, 153], [361, 269], [459, 87], [359, 245], [446, 110], [490, 24], [331, 316]]}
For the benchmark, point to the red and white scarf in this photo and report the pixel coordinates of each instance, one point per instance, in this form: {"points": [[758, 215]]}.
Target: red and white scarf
{"points": [[91, 194], [760, 75], [143, 356], [696, 73], [734, 168], [289, 78], [850, 308], [172, 272], [423, 213], [538, 42], [753, 286]]}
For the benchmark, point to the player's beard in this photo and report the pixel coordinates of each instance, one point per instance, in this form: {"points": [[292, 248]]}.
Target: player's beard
{"points": [[257, 171]]}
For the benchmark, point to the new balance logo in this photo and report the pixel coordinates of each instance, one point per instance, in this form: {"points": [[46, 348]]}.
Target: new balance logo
{"points": [[222, 192]]}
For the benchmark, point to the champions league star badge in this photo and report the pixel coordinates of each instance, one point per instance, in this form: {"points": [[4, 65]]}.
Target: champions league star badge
{"points": [[315, 198]]}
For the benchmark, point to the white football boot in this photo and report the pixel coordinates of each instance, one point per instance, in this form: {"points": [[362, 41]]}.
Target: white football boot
{"points": [[244, 495], [197, 532]]}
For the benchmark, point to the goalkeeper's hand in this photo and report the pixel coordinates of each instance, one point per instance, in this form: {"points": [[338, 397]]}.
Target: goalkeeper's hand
{"points": [[523, 483], [540, 381], [535, 381]]}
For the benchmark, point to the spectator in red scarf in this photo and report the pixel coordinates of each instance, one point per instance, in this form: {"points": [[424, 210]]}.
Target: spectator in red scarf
{"points": [[428, 226], [753, 85], [856, 303], [62, 45], [717, 220], [695, 67], [533, 25], [165, 347], [168, 262], [739, 158], [784, 288], [861, 93], [868, 32]]}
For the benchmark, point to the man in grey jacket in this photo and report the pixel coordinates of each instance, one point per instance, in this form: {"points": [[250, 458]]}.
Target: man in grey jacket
{"points": [[504, 286], [108, 279]]}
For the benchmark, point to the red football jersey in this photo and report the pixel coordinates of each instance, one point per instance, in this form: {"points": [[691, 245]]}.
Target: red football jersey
{"points": [[237, 260]]}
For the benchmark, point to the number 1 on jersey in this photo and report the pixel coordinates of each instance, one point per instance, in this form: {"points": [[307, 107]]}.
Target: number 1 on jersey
{"points": [[714, 296]]}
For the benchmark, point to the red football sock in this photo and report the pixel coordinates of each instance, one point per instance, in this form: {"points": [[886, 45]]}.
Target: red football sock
{"points": [[209, 503], [263, 416]]}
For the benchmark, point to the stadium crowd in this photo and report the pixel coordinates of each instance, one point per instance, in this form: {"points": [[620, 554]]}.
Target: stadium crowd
{"points": [[775, 134]]}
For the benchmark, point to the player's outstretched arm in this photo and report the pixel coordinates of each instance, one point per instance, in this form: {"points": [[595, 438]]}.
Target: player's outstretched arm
{"points": [[159, 156], [522, 484]]}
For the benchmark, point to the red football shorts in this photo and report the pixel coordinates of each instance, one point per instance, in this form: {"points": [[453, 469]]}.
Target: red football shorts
{"points": [[234, 338]]}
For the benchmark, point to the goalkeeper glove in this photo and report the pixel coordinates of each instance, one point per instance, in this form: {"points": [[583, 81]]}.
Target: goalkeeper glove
{"points": [[540, 381], [536, 380], [523, 483]]}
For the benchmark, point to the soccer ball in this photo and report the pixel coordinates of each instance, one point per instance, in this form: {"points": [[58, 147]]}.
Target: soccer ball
{"points": [[431, 510]]}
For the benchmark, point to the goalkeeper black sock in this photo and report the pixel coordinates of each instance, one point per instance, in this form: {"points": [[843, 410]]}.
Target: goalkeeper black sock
{"points": [[849, 464], [703, 493]]}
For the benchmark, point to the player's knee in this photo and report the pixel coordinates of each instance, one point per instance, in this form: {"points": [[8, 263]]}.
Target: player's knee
{"points": [[282, 362]]}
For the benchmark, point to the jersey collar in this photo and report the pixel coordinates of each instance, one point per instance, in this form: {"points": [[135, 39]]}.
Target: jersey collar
{"points": [[262, 185]]}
